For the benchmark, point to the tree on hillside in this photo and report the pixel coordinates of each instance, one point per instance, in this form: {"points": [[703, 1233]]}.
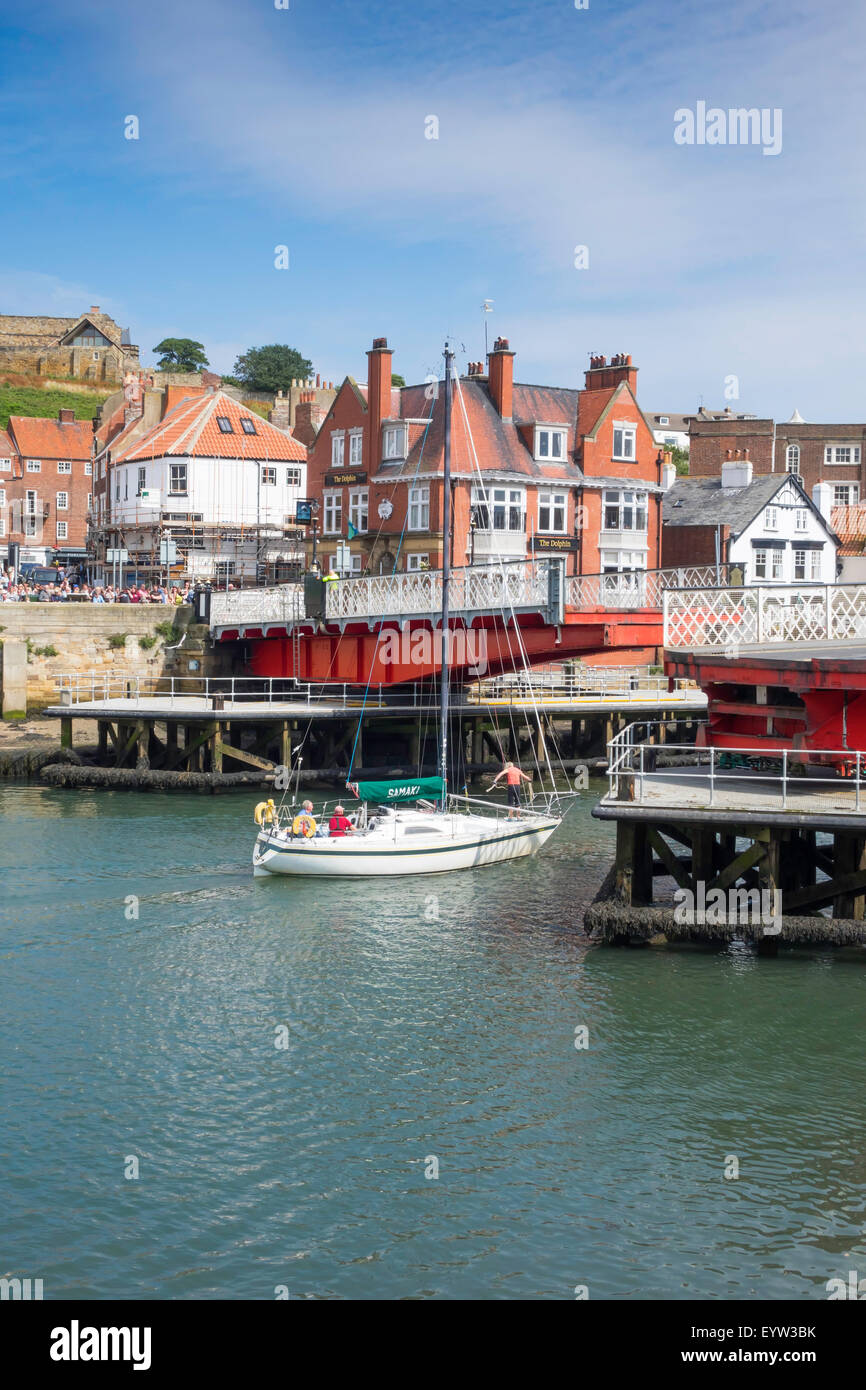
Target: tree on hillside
{"points": [[397, 380], [181, 355], [271, 368]]}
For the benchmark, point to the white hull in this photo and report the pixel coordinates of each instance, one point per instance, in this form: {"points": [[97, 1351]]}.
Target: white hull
{"points": [[410, 843]]}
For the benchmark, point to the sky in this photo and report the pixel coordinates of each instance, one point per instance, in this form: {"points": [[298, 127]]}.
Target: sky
{"points": [[731, 275]]}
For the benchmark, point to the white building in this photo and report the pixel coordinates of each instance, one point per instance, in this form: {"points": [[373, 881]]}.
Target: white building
{"points": [[768, 527], [217, 480]]}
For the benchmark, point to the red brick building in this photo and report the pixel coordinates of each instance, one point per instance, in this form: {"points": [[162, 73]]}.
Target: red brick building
{"points": [[46, 481], [536, 470], [834, 454]]}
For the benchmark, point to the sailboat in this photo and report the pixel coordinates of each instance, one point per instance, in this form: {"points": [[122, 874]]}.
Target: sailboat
{"points": [[407, 826]]}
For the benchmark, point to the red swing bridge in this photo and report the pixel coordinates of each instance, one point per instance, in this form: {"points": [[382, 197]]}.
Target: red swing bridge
{"points": [[384, 630]]}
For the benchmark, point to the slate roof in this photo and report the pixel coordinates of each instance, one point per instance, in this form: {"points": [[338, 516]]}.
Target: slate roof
{"points": [[704, 502], [190, 429], [500, 447]]}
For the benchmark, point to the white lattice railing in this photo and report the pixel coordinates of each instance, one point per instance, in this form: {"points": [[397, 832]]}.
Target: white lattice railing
{"points": [[479, 588], [284, 604], [521, 585], [763, 615], [639, 588]]}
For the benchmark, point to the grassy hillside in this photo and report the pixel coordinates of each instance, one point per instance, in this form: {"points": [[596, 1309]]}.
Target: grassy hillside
{"points": [[32, 400]]}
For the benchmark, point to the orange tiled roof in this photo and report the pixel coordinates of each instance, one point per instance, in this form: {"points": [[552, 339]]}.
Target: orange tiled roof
{"points": [[37, 438], [190, 429]]}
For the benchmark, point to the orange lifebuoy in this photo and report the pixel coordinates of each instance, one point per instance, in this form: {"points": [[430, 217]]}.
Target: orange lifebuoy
{"points": [[304, 824]]}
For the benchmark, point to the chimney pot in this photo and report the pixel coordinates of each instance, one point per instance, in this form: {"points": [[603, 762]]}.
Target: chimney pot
{"points": [[94, 308]]}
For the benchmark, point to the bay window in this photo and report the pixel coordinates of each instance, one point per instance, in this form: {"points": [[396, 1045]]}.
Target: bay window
{"points": [[625, 511]]}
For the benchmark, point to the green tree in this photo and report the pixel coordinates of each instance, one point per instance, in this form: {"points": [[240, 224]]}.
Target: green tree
{"points": [[680, 460], [271, 368], [181, 355], [397, 380]]}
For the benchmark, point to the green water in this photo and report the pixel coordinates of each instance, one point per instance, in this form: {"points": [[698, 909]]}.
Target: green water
{"points": [[426, 1019]]}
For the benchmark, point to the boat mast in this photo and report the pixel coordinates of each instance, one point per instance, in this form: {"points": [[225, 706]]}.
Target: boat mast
{"points": [[446, 573]]}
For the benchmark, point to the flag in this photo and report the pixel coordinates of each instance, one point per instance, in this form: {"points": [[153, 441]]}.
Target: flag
{"points": [[351, 531]]}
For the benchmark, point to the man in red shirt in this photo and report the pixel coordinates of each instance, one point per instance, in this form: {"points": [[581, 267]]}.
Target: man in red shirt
{"points": [[513, 777], [339, 824]]}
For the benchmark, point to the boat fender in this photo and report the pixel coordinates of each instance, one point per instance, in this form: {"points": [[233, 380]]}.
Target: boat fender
{"points": [[304, 825]]}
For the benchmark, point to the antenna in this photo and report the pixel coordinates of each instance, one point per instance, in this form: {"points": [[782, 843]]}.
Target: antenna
{"points": [[486, 308]]}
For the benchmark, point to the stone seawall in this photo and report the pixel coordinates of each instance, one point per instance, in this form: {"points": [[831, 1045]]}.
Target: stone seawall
{"points": [[118, 640]]}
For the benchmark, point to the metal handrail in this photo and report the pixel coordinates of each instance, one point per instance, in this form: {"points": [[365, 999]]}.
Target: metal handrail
{"points": [[627, 759]]}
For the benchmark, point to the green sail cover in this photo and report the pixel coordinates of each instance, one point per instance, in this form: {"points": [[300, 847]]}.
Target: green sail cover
{"points": [[383, 792]]}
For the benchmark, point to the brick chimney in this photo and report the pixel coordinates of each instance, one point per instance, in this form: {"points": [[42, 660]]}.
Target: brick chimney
{"points": [[309, 416], [604, 376], [94, 308], [378, 397], [502, 377], [279, 413], [65, 416]]}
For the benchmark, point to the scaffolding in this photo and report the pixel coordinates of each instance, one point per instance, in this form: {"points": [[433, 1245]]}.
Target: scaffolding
{"points": [[219, 553]]}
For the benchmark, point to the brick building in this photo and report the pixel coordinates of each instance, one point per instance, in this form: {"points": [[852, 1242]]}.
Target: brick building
{"points": [[46, 481], [536, 470], [815, 454], [92, 346]]}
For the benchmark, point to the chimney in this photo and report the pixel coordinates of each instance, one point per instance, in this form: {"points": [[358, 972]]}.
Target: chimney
{"points": [[736, 472], [822, 496], [94, 308], [605, 376], [502, 377], [378, 397], [65, 416], [308, 419], [279, 413]]}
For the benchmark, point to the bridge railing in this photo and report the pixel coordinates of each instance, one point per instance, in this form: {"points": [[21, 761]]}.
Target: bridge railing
{"points": [[764, 615], [281, 604], [631, 589], [522, 585], [476, 588]]}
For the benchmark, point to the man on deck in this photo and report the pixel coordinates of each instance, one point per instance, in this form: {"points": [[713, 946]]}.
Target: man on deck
{"points": [[513, 777]]}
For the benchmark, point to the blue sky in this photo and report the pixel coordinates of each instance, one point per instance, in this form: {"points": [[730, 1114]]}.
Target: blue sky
{"points": [[305, 127]]}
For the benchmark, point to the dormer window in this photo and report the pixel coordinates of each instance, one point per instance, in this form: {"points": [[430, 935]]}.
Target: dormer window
{"points": [[394, 442], [664, 420], [225, 424], [549, 444]]}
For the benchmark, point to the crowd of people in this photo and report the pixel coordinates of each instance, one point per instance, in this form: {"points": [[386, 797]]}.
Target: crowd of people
{"points": [[72, 588]]}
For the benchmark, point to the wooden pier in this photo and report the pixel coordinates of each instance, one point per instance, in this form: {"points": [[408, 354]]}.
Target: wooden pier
{"points": [[791, 833]]}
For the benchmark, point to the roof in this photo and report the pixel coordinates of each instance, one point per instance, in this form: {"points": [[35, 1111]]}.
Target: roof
{"points": [[190, 429], [51, 439], [679, 423], [7, 448], [499, 445], [704, 502], [849, 523]]}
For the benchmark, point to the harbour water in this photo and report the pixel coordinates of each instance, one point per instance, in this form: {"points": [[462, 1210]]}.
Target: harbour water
{"points": [[283, 1062]]}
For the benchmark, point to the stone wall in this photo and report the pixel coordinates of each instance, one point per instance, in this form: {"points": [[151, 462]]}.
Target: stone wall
{"points": [[80, 633]]}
